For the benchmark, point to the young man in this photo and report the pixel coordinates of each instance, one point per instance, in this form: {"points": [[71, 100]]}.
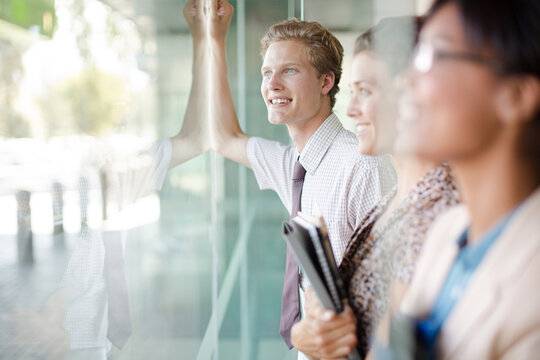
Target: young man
{"points": [[300, 76]]}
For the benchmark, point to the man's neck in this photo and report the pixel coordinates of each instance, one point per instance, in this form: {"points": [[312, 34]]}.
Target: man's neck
{"points": [[301, 133]]}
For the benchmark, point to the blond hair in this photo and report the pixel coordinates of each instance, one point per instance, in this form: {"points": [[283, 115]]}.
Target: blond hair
{"points": [[392, 40], [323, 50]]}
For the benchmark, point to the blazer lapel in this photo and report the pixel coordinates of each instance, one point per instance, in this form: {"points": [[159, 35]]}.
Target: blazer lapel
{"points": [[503, 263]]}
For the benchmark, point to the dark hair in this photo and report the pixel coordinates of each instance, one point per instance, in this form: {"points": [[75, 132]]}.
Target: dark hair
{"points": [[510, 29], [392, 40]]}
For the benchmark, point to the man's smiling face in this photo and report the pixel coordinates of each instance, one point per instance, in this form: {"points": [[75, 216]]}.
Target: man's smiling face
{"points": [[291, 88]]}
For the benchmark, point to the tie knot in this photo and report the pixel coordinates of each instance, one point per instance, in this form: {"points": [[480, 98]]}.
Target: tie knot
{"points": [[299, 172]]}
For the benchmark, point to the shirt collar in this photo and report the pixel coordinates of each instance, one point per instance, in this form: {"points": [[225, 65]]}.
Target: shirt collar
{"points": [[319, 142], [472, 254]]}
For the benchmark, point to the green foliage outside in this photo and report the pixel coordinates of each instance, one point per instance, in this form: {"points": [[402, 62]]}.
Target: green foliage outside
{"points": [[97, 101], [26, 13]]}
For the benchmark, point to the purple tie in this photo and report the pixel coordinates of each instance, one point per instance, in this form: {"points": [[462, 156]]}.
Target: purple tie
{"points": [[290, 304]]}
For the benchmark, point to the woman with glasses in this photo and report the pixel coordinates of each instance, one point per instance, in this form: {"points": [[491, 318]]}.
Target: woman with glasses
{"points": [[385, 247], [475, 91]]}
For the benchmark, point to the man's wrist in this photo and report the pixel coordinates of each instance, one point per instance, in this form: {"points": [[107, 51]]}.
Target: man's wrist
{"points": [[217, 42], [201, 43], [199, 40]]}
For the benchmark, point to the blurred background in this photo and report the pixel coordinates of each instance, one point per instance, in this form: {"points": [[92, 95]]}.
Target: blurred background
{"points": [[85, 85]]}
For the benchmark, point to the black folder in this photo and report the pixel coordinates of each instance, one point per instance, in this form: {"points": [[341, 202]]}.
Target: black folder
{"points": [[308, 240]]}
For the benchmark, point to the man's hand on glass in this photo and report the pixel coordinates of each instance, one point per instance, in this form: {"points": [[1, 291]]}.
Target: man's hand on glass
{"points": [[211, 17], [195, 18]]}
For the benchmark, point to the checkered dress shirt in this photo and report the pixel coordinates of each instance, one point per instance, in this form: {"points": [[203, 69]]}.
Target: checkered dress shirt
{"points": [[343, 184]]}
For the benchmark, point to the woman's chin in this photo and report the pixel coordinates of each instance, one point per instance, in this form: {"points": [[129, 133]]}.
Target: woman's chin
{"points": [[365, 148]]}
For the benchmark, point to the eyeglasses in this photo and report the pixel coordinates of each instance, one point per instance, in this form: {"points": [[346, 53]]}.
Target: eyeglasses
{"points": [[425, 56]]}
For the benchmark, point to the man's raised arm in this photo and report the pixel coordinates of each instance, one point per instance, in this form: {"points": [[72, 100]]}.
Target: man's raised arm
{"points": [[228, 139], [194, 137]]}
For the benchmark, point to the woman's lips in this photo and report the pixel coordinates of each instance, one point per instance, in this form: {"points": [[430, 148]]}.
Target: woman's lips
{"points": [[362, 128]]}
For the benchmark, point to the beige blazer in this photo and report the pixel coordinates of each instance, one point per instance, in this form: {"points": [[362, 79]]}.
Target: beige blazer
{"points": [[498, 314]]}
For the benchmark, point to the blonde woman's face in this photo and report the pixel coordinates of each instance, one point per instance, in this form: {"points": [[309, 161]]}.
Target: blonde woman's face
{"points": [[372, 104]]}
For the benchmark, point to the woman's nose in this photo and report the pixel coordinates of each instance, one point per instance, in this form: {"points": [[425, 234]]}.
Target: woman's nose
{"points": [[354, 109]]}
